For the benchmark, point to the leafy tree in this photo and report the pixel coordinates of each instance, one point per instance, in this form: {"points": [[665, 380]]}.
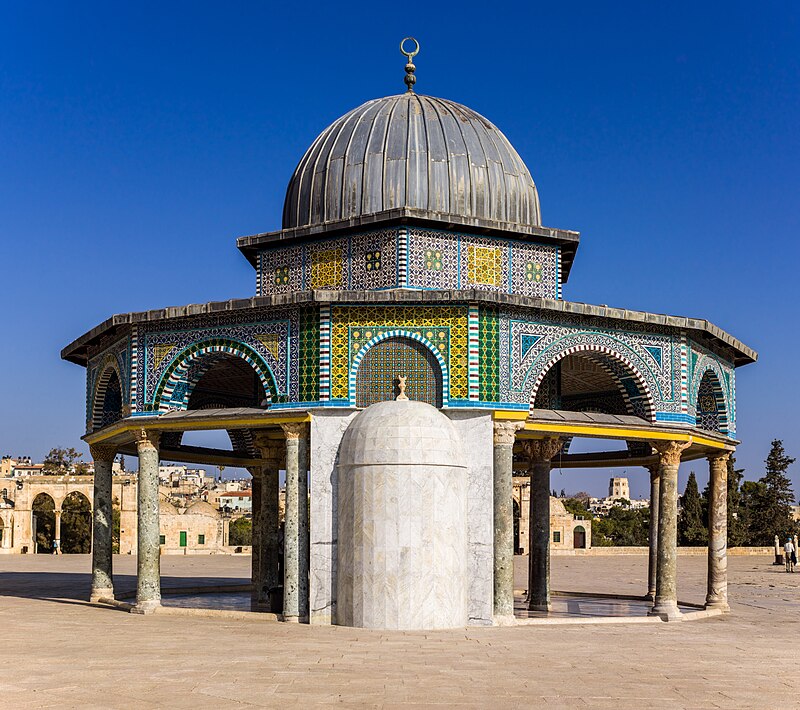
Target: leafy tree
{"points": [[622, 527], [45, 521], [691, 531], [577, 507], [241, 532], [63, 461], [76, 525]]}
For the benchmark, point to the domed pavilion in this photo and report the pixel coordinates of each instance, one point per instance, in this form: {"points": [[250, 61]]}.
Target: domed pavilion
{"points": [[412, 260]]}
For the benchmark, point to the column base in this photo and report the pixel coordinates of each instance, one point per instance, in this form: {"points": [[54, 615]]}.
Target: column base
{"points": [[721, 604], [667, 611], [535, 606], [146, 607], [503, 620], [650, 596], [98, 594]]}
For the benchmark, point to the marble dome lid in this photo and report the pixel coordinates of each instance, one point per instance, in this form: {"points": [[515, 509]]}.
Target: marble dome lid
{"points": [[432, 156], [401, 432]]}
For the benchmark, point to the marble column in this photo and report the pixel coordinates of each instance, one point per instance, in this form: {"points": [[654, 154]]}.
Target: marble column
{"points": [[504, 435], [295, 547], [148, 562], [256, 535], [102, 523], [652, 564], [272, 452], [666, 601], [540, 452], [717, 597], [57, 532]]}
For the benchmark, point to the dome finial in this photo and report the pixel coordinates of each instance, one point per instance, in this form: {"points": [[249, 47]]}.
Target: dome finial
{"points": [[409, 79]]}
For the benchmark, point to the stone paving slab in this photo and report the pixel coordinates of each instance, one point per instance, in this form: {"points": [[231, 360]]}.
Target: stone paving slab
{"points": [[59, 651]]}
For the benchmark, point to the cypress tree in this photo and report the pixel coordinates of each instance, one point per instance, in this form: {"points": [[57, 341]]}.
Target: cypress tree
{"points": [[691, 531]]}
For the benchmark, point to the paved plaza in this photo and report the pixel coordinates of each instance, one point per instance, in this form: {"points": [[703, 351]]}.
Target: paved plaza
{"points": [[61, 652]]}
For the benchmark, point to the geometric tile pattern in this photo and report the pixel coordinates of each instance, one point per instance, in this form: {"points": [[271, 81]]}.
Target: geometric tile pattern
{"points": [[412, 257], [113, 358], [529, 345], [701, 363], [445, 328], [473, 355], [312, 349], [273, 340], [384, 361], [489, 355]]}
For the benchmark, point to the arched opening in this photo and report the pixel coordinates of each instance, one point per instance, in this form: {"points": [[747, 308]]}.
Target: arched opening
{"points": [[711, 414], [591, 381], [107, 407], [76, 524], [44, 523], [379, 369], [220, 381], [579, 537]]}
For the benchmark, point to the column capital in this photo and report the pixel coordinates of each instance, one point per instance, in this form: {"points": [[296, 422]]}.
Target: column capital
{"points": [[719, 457], [295, 430], [505, 431], [273, 451], [669, 452], [653, 468], [147, 439], [102, 452], [542, 450]]}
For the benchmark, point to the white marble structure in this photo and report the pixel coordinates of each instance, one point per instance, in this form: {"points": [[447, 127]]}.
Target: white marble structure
{"points": [[402, 520]]}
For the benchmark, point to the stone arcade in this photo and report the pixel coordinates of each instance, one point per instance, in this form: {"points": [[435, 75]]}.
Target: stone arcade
{"points": [[412, 244]]}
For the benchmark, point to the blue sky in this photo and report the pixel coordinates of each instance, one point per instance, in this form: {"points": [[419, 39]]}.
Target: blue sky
{"points": [[138, 141]]}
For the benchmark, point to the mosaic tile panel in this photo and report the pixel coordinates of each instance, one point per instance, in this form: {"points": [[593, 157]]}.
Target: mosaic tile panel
{"points": [[376, 379], [489, 355], [700, 362], [260, 332], [709, 403], [445, 327], [280, 270], [308, 362], [534, 270], [373, 260], [115, 356], [326, 264], [432, 259], [484, 264], [529, 340]]}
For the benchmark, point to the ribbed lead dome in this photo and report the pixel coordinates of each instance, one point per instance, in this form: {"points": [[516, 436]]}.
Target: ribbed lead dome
{"points": [[433, 156]]}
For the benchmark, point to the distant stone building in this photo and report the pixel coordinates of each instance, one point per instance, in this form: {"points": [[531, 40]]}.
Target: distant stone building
{"points": [[619, 488], [567, 531]]}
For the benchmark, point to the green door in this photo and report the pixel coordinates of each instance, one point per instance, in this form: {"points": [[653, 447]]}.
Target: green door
{"points": [[183, 538]]}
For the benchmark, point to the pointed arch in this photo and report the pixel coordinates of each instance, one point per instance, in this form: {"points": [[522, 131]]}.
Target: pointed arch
{"points": [[629, 379], [406, 335], [184, 372], [107, 398], [711, 411]]}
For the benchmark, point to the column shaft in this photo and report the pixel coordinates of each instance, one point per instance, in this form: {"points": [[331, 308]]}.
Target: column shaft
{"points": [[102, 524], [539, 537], [57, 532], [717, 596], [652, 565], [255, 557], [504, 432], [148, 563], [295, 554]]}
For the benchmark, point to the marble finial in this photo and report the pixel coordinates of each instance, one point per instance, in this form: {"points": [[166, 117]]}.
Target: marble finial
{"points": [[401, 385]]}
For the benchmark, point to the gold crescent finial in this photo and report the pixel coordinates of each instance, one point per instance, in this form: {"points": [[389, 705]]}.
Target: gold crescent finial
{"points": [[409, 79]]}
